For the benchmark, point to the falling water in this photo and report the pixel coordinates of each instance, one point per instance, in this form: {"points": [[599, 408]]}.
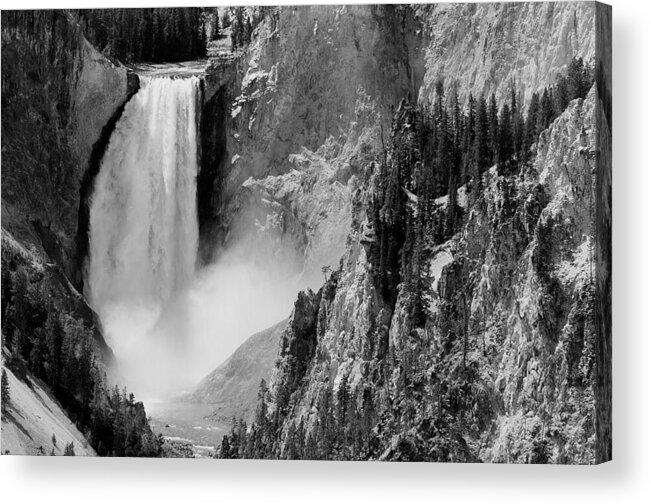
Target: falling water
{"points": [[167, 324], [143, 218], [144, 230]]}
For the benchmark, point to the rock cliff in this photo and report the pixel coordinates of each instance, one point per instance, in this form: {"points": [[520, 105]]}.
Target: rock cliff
{"points": [[59, 93], [320, 83], [509, 364], [306, 112], [504, 368], [484, 47]]}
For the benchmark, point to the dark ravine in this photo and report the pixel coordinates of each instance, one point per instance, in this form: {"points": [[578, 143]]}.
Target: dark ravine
{"points": [[87, 185], [213, 141], [218, 88]]}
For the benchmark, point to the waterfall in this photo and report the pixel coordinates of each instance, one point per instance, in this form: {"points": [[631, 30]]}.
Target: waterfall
{"points": [[167, 324], [143, 213]]}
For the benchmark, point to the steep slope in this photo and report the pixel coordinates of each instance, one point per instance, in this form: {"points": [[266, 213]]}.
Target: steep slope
{"points": [[34, 419], [233, 385], [58, 94], [503, 368], [484, 47], [321, 82], [313, 89]]}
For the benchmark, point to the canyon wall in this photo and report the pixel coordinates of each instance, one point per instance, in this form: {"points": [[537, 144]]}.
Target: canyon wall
{"points": [[512, 358], [59, 93]]}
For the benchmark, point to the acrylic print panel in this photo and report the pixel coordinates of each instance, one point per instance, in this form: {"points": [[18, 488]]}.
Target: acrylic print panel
{"points": [[369, 232]]}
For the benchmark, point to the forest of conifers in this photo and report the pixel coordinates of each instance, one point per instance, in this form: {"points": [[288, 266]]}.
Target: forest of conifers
{"points": [[432, 153]]}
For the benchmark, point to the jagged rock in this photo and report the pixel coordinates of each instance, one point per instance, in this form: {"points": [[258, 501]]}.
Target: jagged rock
{"points": [[523, 375]]}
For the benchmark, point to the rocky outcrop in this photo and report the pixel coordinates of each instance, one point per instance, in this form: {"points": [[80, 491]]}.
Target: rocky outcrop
{"points": [[504, 369], [58, 95], [312, 90], [321, 82], [233, 386], [486, 47]]}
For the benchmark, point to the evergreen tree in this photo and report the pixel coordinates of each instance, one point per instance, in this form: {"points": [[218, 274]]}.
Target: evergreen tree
{"points": [[545, 112], [493, 127], [481, 147], [226, 20], [578, 81], [215, 29], [531, 129], [5, 393], [248, 30], [69, 450], [505, 139], [561, 95]]}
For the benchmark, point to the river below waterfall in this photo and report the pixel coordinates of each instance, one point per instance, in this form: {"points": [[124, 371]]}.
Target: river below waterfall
{"points": [[186, 423]]}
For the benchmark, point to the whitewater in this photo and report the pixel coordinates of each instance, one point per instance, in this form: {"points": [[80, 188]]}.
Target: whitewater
{"points": [[168, 322]]}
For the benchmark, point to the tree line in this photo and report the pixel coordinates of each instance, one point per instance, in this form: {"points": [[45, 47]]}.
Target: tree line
{"points": [[431, 153], [146, 35], [436, 150], [56, 347]]}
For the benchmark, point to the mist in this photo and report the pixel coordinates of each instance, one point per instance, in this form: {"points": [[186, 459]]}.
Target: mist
{"points": [[165, 348]]}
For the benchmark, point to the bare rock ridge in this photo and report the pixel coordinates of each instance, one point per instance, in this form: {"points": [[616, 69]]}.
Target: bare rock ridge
{"points": [[484, 47], [233, 386]]}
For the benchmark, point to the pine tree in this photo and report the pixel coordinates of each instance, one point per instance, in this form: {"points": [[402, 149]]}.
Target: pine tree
{"points": [[248, 30], [69, 450], [215, 31], [576, 79], [505, 139], [493, 127], [226, 20], [481, 147], [531, 131], [561, 95], [545, 112], [5, 393]]}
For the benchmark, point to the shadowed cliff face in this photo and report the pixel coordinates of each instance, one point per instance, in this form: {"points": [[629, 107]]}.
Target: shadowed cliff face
{"points": [[58, 94]]}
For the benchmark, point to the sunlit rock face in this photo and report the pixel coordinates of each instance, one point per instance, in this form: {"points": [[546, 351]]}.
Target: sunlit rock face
{"points": [[319, 83], [487, 47], [314, 90], [526, 247], [525, 261]]}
